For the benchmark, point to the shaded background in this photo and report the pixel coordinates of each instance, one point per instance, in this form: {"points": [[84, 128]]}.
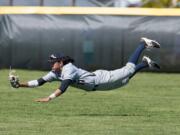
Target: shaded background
{"points": [[94, 41]]}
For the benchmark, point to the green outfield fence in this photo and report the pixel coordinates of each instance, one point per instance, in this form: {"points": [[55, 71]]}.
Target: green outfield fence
{"points": [[94, 37]]}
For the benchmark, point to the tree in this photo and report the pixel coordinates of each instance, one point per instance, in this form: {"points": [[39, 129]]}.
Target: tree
{"points": [[160, 3]]}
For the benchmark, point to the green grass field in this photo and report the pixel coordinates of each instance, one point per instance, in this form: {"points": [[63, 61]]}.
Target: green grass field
{"points": [[148, 105]]}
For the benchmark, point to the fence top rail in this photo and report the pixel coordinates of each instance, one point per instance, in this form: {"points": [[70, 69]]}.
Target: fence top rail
{"points": [[90, 11]]}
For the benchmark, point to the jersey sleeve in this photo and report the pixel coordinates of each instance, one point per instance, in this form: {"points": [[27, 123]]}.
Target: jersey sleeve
{"points": [[49, 77], [64, 85], [69, 74]]}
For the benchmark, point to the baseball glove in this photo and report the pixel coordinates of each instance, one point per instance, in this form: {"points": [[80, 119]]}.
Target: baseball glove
{"points": [[14, 80]]}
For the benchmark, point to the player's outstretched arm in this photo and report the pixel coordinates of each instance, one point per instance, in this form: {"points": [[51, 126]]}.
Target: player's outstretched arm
{"points": [[14, 80], [23, 84], [33, 83], [58, 92]]}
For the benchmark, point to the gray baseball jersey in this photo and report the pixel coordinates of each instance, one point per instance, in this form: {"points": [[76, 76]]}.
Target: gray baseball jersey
{"points": [[97, 80]]}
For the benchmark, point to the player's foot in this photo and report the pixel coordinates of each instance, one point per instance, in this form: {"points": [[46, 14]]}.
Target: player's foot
{"points": [[150, 43], [152, 64]]}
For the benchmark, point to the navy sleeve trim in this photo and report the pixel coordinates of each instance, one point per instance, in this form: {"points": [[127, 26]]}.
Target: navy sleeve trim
{"points": [[41, 81], [65, 84]]}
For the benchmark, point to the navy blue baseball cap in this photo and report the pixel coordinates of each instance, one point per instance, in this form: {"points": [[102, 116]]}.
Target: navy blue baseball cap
{"points": [[56, 57]]}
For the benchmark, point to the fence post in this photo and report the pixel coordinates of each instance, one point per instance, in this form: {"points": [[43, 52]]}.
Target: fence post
{"points": [[73, 3], [41, 2], [11, 2]]}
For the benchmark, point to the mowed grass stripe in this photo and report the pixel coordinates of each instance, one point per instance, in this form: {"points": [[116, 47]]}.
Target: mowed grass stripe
{"points": [[148, 105]]}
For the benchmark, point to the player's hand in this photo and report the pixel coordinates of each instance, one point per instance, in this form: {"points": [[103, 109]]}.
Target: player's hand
{"points": [[46, 99], [14, 79]]}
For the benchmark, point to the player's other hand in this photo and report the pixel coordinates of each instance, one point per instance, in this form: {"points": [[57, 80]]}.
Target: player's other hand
{"points": [[46, 99]]}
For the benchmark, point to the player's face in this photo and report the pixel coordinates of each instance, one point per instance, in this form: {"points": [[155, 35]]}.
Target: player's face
{"points": [[57, 66]]}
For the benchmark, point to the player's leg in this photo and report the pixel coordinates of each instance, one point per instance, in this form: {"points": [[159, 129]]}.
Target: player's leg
{"points": [[144, 43], [137, 53], [146, 62], [130, 68], [139, 67]]}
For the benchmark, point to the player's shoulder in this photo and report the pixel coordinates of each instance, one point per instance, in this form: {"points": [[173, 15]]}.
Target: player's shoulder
{"points": [[69, 71], [69, 68]]}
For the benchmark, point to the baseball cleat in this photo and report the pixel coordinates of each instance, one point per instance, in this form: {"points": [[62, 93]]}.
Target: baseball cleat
{"points": [[152, 64], [150, 43]]}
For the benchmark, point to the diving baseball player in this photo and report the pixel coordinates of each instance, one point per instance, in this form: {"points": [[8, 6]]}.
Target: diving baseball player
{"points": [[65, 71]]}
